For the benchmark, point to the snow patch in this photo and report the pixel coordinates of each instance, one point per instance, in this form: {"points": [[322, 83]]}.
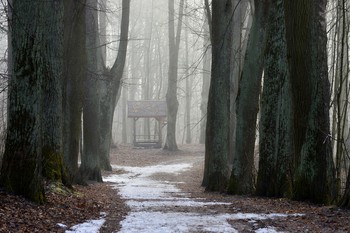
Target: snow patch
{"points": [[150, 170], [267, 230], [159, 222], [87, 227], [139, 205], [136, 184]]}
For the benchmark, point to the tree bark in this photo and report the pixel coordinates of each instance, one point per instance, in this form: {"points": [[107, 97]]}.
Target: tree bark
{"points": [[307, 52], [275, 140], [111, 89], [52, 116], [241, 7], [171, 95], [345, 201], [37, 63], [90, 164], [217, 131], [242, 177], [74, 72]]}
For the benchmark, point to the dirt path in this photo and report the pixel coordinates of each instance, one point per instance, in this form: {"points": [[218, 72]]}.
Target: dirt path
{"points": [[163, 193]]}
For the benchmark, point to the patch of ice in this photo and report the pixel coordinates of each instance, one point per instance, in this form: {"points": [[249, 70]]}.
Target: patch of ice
{"points": [[147, 222], [171, 203], [136, 184], [141, 187], [171, 182], [253, 216], [267, 230], [159, 222], [87, 227], [150, 170]]}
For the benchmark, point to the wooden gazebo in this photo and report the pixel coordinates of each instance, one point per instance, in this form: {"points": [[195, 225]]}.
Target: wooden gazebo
{"points": [[148, 109]]}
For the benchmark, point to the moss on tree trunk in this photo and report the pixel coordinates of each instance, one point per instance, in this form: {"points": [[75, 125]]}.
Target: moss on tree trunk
{"points": [[313, 177], [34, 125], [275, 156]]}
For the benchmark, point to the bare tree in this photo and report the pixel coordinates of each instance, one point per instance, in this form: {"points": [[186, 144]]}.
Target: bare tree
{"points": [[90, 163], [110, 88], [242, 177], [216, 171], [171, 96]]}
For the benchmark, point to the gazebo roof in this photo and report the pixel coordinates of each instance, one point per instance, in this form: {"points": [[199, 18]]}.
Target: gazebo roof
{"points": [[147, 108]]}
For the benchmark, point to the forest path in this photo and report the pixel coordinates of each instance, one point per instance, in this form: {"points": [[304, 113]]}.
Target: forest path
{"points": [[162, 190]]}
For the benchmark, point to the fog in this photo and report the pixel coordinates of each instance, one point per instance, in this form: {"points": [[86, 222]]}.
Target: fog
{"points": [[146, 71]]}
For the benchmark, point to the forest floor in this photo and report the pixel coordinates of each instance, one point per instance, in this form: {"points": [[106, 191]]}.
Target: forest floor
{"points": [[152, 190]]}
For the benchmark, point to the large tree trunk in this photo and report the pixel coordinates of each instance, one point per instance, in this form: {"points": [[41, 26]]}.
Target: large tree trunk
{"points": [[90, 163], [37, 46], [74, 72], [106, 120], [111, 89], [217, 131], [241, 7], [171, 95], [243, 178], [275, 140], [52, 116], [307, 53]]}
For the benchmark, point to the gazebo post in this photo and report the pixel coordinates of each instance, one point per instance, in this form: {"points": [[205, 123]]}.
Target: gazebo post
{"points": [[134, 129], [160, 126]]}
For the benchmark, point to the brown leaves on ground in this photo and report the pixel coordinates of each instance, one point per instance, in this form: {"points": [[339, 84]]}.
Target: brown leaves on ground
{"points": [[86, 202]]}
